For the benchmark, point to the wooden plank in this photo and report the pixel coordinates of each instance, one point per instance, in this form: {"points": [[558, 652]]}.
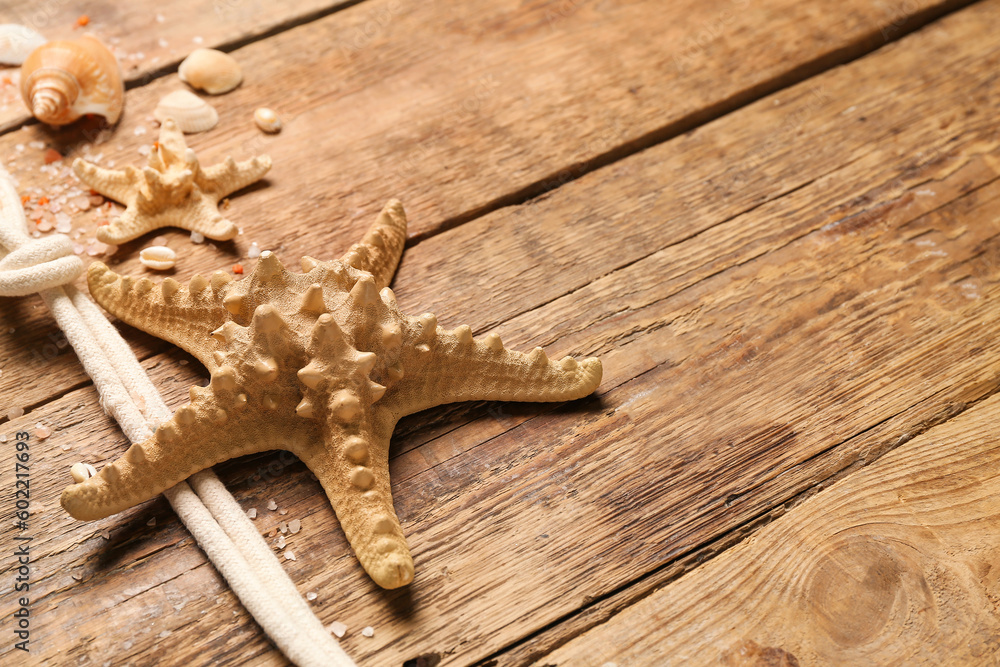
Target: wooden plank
{"points": [[452, 121], [894, 565], [151, 39], [494, 518]]}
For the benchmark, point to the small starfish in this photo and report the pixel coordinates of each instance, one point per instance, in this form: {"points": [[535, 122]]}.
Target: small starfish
{"points": [[173, 191], [321, 363]]}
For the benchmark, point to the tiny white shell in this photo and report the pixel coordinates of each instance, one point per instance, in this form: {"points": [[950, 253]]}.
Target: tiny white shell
{"points": [[267, 120], [210, 70], [17, 42], [81, 472], [158, 257], [190, 112]]}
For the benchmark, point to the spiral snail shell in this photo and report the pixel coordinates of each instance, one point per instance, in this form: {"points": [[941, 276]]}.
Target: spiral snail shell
{"points": [[63, 80]]}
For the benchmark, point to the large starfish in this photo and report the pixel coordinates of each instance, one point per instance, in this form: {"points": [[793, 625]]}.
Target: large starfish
{"points": [[172, 191], [321, 363]]}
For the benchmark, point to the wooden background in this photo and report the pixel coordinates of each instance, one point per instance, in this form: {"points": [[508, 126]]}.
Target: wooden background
{"points": [[775, 221]]}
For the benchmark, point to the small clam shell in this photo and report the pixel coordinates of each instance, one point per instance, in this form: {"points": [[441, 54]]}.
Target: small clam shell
{"points": [[267, 120], [81, 472], [17, 42], [63, 80], [213, 71], [158, 257], [190, 112]]}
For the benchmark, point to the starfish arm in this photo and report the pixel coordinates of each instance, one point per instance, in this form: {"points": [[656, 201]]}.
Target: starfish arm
{"points": [[185, 316], [192, 440], [354, 472], [229, 175], [381, 248], [113, 183], [450, 366]]}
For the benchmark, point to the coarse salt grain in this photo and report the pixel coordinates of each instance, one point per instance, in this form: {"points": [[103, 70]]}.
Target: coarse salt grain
{"points": [[197, 237], [15, 413], [281, 541], [369, 631], [253, 252], [271, 505], [3, 437], [289, 555], [283, 527], [282, 512], [42, 431], [337, 628], [294, 526], [252, 512], [311, 596]]}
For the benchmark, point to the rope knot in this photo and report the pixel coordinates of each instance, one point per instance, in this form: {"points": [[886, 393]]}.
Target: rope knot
{"points": [[39, 264]]}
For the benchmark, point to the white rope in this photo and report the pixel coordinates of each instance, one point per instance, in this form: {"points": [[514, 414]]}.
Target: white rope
{"points": [[209, 511]]}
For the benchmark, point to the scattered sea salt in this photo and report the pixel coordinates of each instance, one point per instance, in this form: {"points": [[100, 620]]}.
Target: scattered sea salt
{"points": [[337, 628], [139, 131], [311, 596], [369, 631], [282, 512], [252, 512], [294, 526], [3, 437], [15, 413], [145, 150], [271, 505], [281, 541], [289, 555], [283, 527], [253, 251], [42, 431], [197, 237]]}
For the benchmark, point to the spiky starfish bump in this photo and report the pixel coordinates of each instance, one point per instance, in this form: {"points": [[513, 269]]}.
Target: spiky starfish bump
{"points": [[172, 191], [321, 363]]}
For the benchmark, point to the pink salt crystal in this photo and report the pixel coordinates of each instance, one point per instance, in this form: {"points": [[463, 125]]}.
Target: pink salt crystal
{"points": [[44, 226], [78, 248], [282, 512], [95, 200], [15, 413], [82, 202], [96, 248], [159, 240], [42, 431]]}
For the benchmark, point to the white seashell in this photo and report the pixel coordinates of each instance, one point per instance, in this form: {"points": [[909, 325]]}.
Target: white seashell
{"points": [[61, 81], [213, 71], [267, 120], [17, 42], [190, 112], [158, 257], [81, 472]]}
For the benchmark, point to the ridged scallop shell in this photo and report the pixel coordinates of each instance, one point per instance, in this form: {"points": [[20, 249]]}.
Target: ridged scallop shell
{"points": [[17, 42], [158, 257], [212, 71], [190, 112], [63, 80]]}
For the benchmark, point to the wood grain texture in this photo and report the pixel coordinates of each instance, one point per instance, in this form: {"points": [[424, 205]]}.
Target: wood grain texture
{"points": [[769, 316], [148, 38], [897, 564], [454, 110]]}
